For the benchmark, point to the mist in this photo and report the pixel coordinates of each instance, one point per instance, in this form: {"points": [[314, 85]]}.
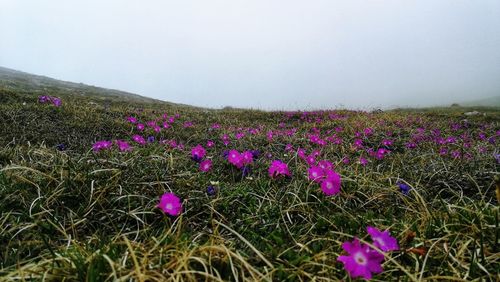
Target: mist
{"points": [[263, 54]]}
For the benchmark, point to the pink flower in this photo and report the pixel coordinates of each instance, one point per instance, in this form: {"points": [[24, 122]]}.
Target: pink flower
{"points": [[331, 184], [132, 119], [311, 159], [235, 158], [383, 239], [363, 161], [362, 261], [123, 145], [140, 126], [139, 139], [102, 145], [315, 173], [198, 152], [206, 165], [325, 165], [170, 204], [210, 143], [278, 168], [247, 157]]}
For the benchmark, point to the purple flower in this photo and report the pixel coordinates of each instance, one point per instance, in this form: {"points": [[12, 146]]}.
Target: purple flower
{"points": [[404, 188], [383, 239], [123, 146], [102, 145], [197, 153], [361, 260], [211, 190], [61, 147], [278, 168]]}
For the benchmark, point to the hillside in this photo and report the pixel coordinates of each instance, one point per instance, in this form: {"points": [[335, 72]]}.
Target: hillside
{"points": [[485, 102], [15, 82]]}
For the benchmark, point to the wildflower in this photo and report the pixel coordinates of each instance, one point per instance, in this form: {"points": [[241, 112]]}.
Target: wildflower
{"points": [[210, 143], [363, 161], [139, 139], [315, 173], [362, 260], [205, 165], [247, 157], [278, 168], [102, 145], [235, 158], [123, 146], [56, 101], [140, 126], [311, 160], [131, 119], [211, 190], [61, 147], [255, 154], [197, 153], [383, 239], [404, 188], [43, 99], [325, 164], [331, 184], [170, 204], [151, 139]]}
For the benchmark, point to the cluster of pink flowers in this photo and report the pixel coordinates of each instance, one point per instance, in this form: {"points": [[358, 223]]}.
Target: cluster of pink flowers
{"points": [[197, 155], [361, 259], [240, 160], [325, 175], [50, 99], [123, 146]]}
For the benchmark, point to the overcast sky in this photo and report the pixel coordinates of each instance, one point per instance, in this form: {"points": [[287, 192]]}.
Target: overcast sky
{"points": [[265, 54]]}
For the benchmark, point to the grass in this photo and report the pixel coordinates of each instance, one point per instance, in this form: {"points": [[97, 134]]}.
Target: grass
{"points": [[78, 215]]}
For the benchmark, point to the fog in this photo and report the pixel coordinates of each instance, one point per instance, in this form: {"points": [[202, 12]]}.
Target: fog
{"points": [[263, 54]]}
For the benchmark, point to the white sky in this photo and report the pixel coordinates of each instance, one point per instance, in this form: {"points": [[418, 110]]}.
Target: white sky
{"points": [[266, 54]]}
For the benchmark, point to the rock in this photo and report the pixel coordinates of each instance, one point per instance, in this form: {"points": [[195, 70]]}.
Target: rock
{"points": [[473, 113]]}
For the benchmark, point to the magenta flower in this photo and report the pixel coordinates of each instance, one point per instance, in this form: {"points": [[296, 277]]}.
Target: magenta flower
{"points": [[170, 204], [235, 158], [363, 161], [315, 173], [123, 146], [102, 145], [56, 101], [198, 152], [325, 165], [331, 184], [140, 126], [362, 260], [210, 143], [131, 119], [206, 165], [247, 157], [383, 239], [278, 168], [139, 139], [311, 159]]}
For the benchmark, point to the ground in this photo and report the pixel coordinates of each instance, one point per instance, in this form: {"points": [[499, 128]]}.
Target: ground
{"points": [[74, 211]]}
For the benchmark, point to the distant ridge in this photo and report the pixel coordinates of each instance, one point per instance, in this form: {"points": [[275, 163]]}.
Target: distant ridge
{"points": [[485, 102], [13, 81]]}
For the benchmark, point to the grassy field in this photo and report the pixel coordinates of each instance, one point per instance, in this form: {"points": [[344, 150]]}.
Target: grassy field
{"points": [[73, 213]]}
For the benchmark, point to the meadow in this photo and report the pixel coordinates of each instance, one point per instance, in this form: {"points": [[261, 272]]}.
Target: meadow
{"points": [[138, 191]]}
